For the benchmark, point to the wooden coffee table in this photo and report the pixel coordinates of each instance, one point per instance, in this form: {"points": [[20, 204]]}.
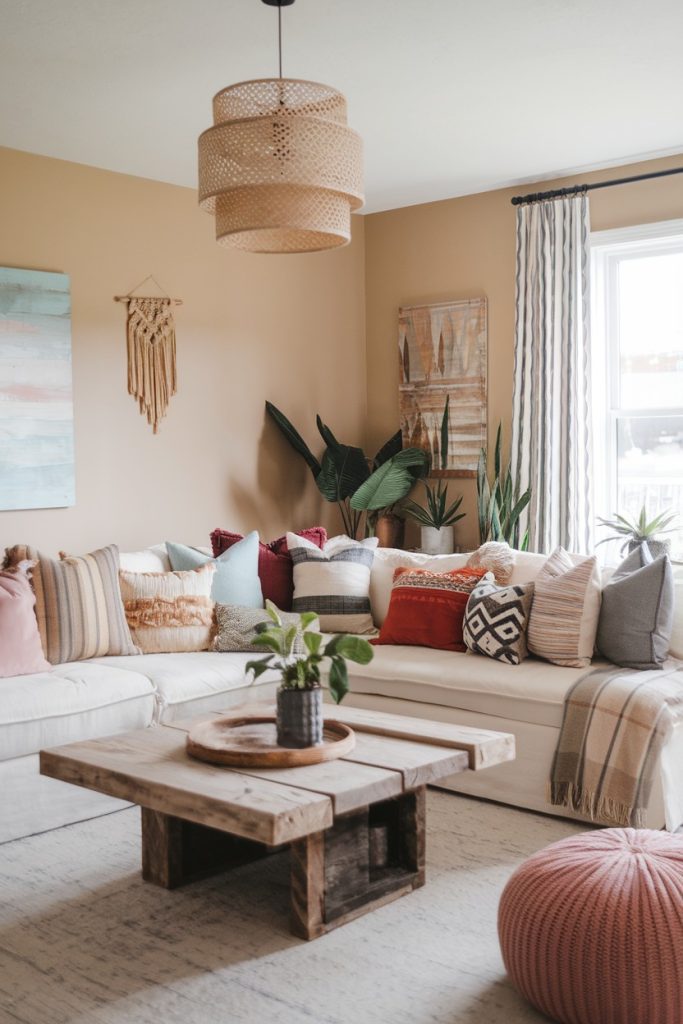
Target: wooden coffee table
{"points": [[355, 827]]}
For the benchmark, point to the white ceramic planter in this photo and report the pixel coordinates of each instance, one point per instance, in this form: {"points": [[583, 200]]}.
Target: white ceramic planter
{"points": [[437, 542]]}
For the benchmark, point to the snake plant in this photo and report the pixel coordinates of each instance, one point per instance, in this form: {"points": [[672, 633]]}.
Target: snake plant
{"points": [[499, 505]]}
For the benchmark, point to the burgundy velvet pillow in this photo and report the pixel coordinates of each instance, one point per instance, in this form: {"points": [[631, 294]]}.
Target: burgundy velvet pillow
{"points": [[274, 562]]}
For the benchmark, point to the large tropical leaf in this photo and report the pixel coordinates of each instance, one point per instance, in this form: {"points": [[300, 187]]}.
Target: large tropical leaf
{"points": [[343, 471], [392, 447], [415, 460], [294, 437], [387, 485]]}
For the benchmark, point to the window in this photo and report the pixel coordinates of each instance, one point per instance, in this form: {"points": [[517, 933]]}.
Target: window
{"points": [[637, 344]]}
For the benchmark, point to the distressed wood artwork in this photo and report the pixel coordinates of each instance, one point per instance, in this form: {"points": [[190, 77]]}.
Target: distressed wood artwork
{"points": [[442, 351]]}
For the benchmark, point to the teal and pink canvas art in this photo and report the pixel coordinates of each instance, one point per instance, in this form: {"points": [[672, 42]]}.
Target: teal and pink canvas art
{"points": [[36, 409]]}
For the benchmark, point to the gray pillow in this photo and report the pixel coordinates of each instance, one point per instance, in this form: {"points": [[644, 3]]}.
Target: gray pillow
{"points": [[496, 620], [636, 617], [237, 627]]}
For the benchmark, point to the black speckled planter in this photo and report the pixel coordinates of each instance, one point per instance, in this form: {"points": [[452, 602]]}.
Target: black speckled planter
{"points": [[300, 718]]}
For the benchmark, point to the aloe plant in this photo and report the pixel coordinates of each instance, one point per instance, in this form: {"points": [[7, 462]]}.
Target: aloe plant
{"points": [[637, 530], [499, 505], [347, 477], [436, 513]]}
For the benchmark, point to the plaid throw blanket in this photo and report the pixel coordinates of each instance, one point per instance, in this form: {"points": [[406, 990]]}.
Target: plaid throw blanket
{"points": [[615, 723]]}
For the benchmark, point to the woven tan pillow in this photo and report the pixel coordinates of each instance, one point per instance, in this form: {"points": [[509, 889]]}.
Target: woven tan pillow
{"points": [[497, 557], [168, 612]]}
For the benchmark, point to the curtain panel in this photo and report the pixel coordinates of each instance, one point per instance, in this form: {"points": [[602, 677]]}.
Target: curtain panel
{"points": [[551, 419]]}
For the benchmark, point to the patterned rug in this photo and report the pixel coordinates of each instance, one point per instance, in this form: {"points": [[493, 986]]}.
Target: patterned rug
{"points": [[84, 941]]}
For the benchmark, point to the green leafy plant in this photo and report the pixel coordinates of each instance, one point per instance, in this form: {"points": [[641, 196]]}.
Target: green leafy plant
{"points": [[303, 673], [499, 505], [635, 531], [346, 476]]}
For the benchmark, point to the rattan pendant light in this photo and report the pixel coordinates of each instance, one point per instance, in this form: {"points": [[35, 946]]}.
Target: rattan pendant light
{"points": [[280, 169]]}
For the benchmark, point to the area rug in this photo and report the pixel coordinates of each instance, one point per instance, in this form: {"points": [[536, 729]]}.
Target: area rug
{"points": [[84, 941]]}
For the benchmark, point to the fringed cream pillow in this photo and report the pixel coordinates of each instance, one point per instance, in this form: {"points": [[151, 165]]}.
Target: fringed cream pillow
{"points": [[565, 610], [168, 612], [495, 556]]}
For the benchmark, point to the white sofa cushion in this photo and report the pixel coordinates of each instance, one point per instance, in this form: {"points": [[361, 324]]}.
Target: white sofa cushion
{"points": [[76, 701], [531, 692], [388, 559], [193, 682]]}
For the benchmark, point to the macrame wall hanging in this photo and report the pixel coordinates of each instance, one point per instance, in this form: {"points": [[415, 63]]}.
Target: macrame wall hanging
{"points": [[151, 351]]}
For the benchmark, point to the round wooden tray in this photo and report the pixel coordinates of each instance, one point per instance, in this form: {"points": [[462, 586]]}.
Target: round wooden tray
{"points": [[252, 743]]}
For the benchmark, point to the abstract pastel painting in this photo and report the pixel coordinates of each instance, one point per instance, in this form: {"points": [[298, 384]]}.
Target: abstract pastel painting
{"points": [[442, 355], [36, 409]]}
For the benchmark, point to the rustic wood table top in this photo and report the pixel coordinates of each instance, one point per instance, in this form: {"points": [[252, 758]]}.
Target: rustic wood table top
{"points": [[355, 826]]}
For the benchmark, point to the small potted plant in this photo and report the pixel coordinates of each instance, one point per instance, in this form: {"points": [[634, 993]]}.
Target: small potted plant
{"points": [[300, 695], [634, 532], [436, 519]]}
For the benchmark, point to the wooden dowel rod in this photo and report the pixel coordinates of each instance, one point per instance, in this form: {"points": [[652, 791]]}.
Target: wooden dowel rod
{"points": [[127, 298]]}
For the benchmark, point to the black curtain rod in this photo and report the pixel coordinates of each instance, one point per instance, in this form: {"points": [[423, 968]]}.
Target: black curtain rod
{"points": [[573, 190]]}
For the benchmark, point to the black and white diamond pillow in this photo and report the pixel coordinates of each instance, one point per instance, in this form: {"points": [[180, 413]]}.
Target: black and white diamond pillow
{"points": [[496, 620]]}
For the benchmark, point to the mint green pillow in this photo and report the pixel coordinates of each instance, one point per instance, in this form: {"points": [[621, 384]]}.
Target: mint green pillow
{"points": [[236, 580]]}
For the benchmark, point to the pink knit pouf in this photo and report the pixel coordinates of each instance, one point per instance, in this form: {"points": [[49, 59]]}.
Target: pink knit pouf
{"points": [[591, 928]]}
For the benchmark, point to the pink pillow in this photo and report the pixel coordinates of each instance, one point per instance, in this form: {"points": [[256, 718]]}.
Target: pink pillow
{"points": [[20, 649], [274, 562]]}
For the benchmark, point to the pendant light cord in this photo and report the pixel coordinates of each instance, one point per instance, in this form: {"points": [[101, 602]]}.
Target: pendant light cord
{"points": [[279, 37]]}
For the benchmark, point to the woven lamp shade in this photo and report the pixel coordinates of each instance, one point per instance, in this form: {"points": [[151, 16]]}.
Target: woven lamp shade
{"points": [[591, 928], [280, 169]]}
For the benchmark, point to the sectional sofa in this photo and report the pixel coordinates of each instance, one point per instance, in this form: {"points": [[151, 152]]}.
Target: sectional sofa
{"points": [[89, 699]]}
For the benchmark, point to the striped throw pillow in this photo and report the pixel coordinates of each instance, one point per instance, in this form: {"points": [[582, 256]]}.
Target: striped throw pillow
{"points": [[334, 582], [565, 610], [78, 604], [170, 612]]}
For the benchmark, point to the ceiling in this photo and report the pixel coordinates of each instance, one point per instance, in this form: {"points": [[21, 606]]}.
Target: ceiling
{"points": [[450, 97]]}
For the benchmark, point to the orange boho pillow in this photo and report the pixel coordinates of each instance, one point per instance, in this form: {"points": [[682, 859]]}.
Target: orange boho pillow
{"points": [[427, 608]]}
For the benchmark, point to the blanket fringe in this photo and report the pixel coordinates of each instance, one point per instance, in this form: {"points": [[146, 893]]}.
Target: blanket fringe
{"points": [[601, 810]]}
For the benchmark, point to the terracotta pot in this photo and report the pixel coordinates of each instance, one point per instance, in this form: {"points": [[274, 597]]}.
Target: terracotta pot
{"points": [[390, 531], [300, 718]]}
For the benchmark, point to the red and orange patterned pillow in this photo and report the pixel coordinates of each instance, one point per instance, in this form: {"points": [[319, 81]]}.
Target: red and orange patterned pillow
{"points": [[427, 608]]}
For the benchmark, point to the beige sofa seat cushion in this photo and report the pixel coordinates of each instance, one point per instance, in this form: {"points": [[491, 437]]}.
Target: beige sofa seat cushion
{"points": [[190, 683], [75, 701], [531, 692]]}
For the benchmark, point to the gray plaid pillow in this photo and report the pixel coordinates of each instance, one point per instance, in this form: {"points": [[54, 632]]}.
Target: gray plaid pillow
{"points": [[496, 619], [237, 626]]}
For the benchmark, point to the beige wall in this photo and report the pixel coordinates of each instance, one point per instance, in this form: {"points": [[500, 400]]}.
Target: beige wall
{"points": [[465, 248], [251, 327]]}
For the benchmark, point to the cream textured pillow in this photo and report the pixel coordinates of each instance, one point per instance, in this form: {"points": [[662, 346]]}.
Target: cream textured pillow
{"points": [[565, 610], [496, 556], [169, 612]]}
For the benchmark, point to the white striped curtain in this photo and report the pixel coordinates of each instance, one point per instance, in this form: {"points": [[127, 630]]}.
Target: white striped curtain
{"points": [[551, 418]]}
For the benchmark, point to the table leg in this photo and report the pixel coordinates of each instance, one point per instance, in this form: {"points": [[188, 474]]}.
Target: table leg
{"points": [[175, 851], [333, 877]]}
